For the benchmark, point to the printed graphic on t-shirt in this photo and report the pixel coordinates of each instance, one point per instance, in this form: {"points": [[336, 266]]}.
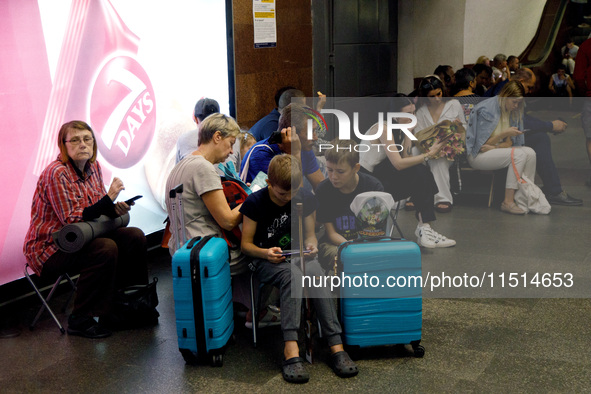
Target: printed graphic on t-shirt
{"points": [[278, 233], [346, 226]]}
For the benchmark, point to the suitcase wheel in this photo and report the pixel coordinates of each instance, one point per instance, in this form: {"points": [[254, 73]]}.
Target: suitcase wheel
{"points": [[189, 357], [419, 351], [217, 360]]}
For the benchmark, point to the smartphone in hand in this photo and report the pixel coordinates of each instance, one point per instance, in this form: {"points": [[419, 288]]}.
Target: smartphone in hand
{"points": [[132, 199], [293, 252]]}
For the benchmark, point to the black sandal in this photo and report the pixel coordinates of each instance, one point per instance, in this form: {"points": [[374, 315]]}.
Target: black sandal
{"points": [[443, 207], [294, 371], [343, 366]]}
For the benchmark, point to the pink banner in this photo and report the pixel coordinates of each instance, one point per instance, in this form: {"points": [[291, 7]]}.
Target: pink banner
{"points": [[96, 61]]}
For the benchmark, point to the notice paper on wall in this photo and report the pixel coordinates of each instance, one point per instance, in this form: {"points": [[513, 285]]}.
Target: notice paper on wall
{"points": [[265, 26]]}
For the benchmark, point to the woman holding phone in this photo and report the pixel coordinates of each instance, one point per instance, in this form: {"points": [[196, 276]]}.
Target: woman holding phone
{"points": [[495, 126], [70, 190], [404, 175], [205, 208]]}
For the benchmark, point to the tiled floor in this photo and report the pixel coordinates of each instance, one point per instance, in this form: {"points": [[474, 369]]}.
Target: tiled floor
{"points": [[488, 342]]}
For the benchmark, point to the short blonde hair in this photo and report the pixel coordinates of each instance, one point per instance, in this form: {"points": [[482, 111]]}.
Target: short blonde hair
{"points": [[225, 124], [285, 171]]}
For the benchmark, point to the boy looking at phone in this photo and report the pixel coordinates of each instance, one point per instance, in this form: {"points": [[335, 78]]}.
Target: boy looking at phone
{"points": [[335, 196], [266, 233]]}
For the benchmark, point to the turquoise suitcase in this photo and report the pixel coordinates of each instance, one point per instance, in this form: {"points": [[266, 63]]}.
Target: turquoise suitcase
{"points": [[381, 315], [202, 297]]}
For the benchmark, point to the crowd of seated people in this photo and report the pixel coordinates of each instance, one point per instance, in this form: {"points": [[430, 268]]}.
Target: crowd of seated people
{"points": [[471, 86], [494, 126]]}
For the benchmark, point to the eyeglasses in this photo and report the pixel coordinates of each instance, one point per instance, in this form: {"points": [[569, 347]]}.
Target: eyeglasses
{"points": [[76, 141]]}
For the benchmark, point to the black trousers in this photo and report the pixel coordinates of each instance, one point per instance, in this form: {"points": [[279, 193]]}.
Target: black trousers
{"points": [[416, 182], [105, 264], [540, 142]]}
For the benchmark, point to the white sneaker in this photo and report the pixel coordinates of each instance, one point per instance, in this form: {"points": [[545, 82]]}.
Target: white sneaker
{"points": [[429, 238]]}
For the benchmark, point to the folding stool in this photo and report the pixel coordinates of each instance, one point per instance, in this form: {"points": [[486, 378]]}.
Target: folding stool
{"points": [[45, 301]]}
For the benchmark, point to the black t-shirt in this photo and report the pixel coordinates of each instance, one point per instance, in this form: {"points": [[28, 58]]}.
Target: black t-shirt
{"points": [[335, 207], [274, 222]]}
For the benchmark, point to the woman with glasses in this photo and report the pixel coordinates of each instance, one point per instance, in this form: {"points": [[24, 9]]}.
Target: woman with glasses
{"points": [[433, 108], [403, 175], [70, 190], [495, 126]]}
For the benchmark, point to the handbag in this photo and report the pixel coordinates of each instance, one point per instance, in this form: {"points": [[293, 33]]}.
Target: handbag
{"points": [[134, 307], [529, 197]]}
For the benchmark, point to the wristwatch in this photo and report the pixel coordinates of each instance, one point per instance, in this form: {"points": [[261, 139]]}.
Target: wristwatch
{"points": [[426, 158]]}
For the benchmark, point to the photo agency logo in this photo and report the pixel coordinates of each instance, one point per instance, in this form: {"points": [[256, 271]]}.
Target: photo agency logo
{"points": [[386, 122]]}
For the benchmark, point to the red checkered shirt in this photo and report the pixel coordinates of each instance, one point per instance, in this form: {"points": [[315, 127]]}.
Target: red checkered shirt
{"points": [[60, 197]]}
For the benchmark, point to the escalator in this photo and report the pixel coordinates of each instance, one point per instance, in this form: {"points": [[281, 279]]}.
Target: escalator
{"points": [[557, 23], [541, 47]]}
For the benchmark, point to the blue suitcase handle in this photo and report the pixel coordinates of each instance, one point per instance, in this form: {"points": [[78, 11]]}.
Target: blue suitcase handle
{"points": [[366, 240], [193, 241]]}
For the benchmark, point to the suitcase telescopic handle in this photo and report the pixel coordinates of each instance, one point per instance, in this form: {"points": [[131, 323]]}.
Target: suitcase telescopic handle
{"points": [[178, 217]]}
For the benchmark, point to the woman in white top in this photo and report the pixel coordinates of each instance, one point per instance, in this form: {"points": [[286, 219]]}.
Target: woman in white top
{"points": [[433, 108], [404, 175]]}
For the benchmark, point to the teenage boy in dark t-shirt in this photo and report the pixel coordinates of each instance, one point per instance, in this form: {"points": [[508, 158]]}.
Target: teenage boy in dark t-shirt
{"points": [[266, 234], [335, 196]]}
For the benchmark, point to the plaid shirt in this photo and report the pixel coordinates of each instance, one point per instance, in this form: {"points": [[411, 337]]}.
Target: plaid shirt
{"points": [[60, 197]]}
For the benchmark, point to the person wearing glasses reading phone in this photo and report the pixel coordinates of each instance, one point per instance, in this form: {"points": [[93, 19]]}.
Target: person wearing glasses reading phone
{"points": [[71, 190], [434, 107]]}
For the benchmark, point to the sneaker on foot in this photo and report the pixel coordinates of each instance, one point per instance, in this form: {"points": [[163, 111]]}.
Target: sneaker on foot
{"points": [[429, 238], [442, 241], [425, 236]]}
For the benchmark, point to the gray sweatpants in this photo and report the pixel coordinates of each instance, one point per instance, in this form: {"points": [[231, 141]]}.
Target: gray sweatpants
{"points": [[282, 275]]}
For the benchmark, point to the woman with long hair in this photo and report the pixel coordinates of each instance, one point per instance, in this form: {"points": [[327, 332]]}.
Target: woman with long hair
{"points": [[495, 126], [404, 175], [433, 108]]}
